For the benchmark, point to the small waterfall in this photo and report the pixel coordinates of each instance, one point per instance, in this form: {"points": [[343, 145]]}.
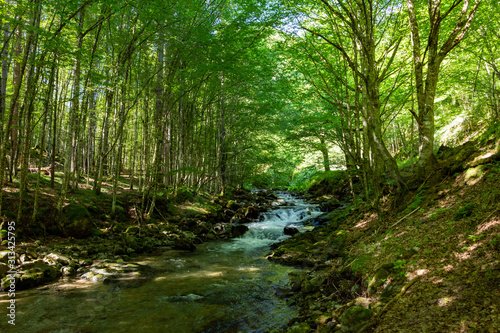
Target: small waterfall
{"points": [[288, 211]]}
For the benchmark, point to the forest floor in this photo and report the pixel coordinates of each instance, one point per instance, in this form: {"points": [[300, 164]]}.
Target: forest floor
{"points": [[431, 264]]}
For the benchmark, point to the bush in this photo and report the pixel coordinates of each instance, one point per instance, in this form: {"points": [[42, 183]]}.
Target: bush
{"points": [[326, 182], [302, 180]]}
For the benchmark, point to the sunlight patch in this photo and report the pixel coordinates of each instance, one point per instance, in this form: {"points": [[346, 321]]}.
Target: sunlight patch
{"points": [[420, 272], [249, 269], [482, 157], [488, 225], [444, 301], [462, 256], [437, 281], [160, 278], [362, 224]]}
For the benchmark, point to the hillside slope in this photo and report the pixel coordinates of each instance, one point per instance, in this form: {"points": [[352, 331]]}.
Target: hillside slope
{"points": [[434, 266]]}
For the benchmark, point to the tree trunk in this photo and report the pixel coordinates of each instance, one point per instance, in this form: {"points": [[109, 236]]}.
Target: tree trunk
{"points": [[75, 106], [436, 55], [324, 151]]}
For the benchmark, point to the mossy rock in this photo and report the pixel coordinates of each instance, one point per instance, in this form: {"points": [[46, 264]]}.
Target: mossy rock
{"points": [[183, 194], [75, 212], [380, 276], [238, 230], [300, 328], [354, 318], [36, 276], [77, 221], [120, 213]]}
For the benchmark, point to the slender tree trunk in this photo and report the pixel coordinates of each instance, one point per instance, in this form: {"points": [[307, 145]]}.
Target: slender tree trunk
{"points": [[324, 151], [13, 105], [54, 135], [48, 101], [29, 102], [75, 107]]}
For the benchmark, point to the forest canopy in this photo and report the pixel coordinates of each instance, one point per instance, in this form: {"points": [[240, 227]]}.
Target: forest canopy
{"points": [[219, 94]]}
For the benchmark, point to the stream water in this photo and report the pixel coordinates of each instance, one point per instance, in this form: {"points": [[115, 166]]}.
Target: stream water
{"points": [[224, 286]]}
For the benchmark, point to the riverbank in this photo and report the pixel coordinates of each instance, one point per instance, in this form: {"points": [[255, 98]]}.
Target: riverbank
{"points": [[225, 285], [91, 241], [431, 264]]}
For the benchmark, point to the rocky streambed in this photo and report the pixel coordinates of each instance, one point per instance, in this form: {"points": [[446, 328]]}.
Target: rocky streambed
{"points": [[163, 277], [44, 261]]}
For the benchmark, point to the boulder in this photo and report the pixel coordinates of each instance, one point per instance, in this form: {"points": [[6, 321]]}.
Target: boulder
{"points": [[329, 205], [354, 318], [77, 222], [184, 244], [238, 230], [54, 258], [68, 271], [38, 275], [252, 212], [290, 231]]}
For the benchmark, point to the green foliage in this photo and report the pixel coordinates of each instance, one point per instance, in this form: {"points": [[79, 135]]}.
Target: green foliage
{"points": [[465, 211], [325, 182], [419, 198], [475, 238], [302, 180], [183, 194], [400, 268], [495, 242]]}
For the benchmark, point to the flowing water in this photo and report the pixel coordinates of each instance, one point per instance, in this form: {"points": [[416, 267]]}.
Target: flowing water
{"points": [[224, 286]]}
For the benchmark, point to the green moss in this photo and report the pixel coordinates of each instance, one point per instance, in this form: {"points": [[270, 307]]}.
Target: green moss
{"points": [[465, 211], [495, 243], [183, 194], [75, 212]]}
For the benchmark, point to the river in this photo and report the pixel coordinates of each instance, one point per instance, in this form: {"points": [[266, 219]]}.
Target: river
{"points": [[223, 286]]}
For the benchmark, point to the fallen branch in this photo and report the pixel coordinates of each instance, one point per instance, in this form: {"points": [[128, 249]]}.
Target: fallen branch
{"points": [[404, 217]]}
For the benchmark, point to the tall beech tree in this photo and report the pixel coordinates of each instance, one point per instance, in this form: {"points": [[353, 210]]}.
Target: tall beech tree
{"points": [[434, 54]]}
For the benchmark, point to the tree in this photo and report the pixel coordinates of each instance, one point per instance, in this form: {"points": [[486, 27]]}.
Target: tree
{"points": [[433, 56]]}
